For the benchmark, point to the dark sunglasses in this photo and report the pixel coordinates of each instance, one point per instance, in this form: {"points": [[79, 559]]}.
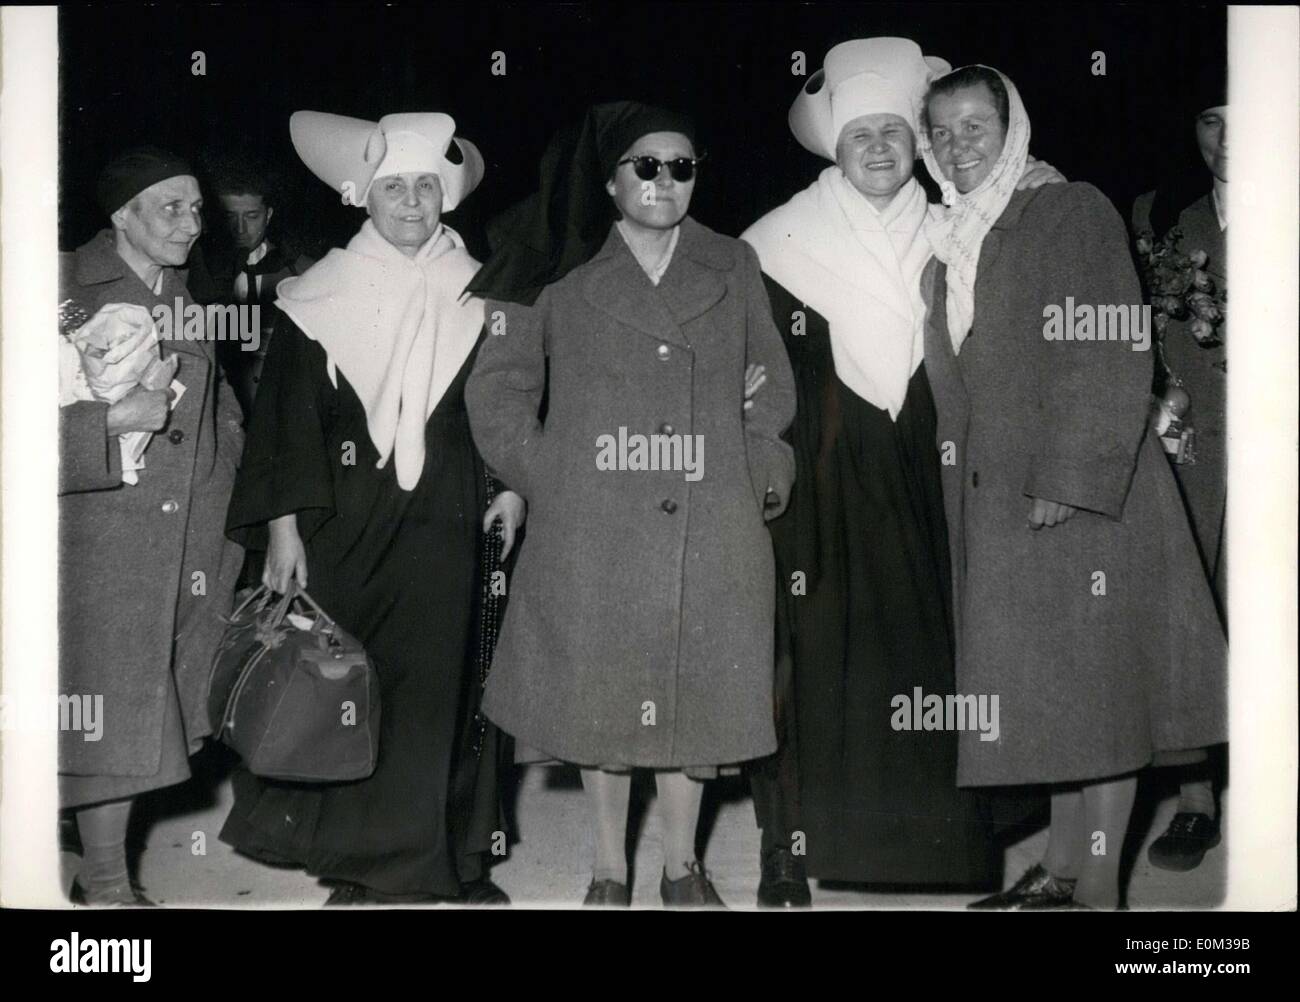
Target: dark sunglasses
{"points": [[647, 168]]}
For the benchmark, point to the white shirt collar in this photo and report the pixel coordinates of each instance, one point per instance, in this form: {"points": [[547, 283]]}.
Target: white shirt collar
{"points": [[653, 272], [258, 252], [1218, 209]]}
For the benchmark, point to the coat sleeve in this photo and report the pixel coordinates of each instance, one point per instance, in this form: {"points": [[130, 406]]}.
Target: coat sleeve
{"points": [[286, 465], [1142, 212], [771, 459], [503, 394], [1093, 396], [89, 459]]}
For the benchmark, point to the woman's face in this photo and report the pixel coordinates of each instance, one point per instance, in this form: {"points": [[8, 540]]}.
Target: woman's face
{"points": [[1212, 138], [967, 135], [405, 209], [877, 153], [659, 204]]}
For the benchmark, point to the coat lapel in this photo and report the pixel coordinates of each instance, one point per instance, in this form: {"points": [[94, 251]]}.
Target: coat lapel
{"points": [[693, 283], [100, 268], [1200, 225]]}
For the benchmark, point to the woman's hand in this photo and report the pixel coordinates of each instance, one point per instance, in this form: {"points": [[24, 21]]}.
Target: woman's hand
{"points": [[511, 509], [1038, 173], [755, 376], [1049, 513], [286, 557]]}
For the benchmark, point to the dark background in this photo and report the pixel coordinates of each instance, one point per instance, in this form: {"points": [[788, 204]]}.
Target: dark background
{"points": [[125, 75]]}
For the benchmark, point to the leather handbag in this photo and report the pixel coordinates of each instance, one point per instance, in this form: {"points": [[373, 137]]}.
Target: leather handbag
{"points": [[296, 696]]}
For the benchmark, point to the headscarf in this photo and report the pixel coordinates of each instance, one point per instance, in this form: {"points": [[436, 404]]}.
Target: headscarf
{"points": [[564, 223], [397, 327], [858, 267], [131, 172], [958, 234]]}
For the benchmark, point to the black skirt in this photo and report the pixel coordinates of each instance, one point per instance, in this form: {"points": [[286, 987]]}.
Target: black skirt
{"points": [[864, 617], [401, 571]]}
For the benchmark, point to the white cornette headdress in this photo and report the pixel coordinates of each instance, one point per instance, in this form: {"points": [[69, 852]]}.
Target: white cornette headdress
{"points": [[865, 76], [349, 153]]}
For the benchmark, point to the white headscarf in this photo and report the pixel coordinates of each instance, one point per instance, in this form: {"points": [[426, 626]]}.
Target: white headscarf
{"points": [[958, 234]]}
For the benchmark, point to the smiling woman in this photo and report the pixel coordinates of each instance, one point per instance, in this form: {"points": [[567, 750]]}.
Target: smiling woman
{"points": [[842, 261], [405, 209], [1058, 494], [360, 475]]}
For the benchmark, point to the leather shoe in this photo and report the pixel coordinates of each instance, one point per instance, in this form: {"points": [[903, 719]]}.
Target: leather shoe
{"points": [[77, 895], [606, 894], [347, 893], [1037, 890], [484, 892], [694, 890], [783, 883], [1185, 842]]}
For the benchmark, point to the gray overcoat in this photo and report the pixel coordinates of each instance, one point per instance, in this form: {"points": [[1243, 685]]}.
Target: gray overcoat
{"points": [[639, 630], [145, 571], [1099, 636]]}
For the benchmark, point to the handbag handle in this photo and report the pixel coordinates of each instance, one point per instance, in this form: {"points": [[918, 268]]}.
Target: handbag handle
{"points": [[262, 592], [323, 624]]}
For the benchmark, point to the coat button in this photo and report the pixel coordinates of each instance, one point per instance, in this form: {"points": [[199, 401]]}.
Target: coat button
{"points": [[176, 436], [665, 429], [669, 506], [975, 479], [663, 351], [169, 507]]}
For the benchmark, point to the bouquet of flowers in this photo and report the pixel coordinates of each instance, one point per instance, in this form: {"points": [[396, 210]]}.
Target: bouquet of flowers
{"points": [[107, 356], [1181, 289]]}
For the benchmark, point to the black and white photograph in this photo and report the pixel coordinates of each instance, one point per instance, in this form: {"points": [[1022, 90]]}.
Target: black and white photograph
{"points": [[758, 457]]}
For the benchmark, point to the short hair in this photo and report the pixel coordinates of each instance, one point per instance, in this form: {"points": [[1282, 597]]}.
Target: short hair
{"points": [[971, 76], [243, 181]]}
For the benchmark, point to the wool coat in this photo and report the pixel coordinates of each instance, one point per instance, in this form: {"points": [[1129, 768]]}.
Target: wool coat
{"points": [[1204, 374], [1098, 636], [145, 571], [640, 625]]}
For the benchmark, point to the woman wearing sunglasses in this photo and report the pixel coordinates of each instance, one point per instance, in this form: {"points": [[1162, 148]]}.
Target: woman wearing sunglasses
{"points": [[639, 627]]}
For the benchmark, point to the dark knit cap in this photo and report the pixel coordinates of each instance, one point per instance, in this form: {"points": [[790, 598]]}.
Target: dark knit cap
{"points": [[133, 171]]}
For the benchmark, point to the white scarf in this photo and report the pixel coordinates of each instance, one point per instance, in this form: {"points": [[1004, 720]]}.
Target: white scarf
{"points": [[958, 234], [861, 270], [396, 326]]}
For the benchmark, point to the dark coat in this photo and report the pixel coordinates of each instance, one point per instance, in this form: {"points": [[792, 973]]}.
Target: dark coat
{"points": [[639, 587], [1203, 371], [130, 624], [1089, 684]]}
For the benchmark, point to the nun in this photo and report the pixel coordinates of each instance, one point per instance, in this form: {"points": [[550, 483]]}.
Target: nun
{"points": [[361, 481], [858, 791]]}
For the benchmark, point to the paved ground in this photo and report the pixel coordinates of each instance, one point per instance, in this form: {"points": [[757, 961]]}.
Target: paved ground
{"points": [[550, 864]]}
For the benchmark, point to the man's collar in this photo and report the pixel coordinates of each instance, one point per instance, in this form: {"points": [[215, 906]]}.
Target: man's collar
{"points": [[1219, 209], [259, 252]]}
